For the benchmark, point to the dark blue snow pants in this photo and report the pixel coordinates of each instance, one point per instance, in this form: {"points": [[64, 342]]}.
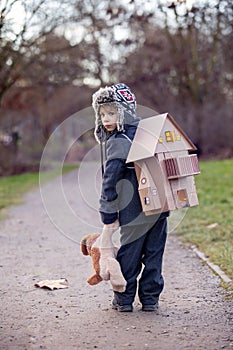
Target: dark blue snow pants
{"points": [[145, 255]]}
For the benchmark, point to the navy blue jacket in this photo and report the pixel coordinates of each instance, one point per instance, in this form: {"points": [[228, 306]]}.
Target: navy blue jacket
{"points": [[119, 196]]}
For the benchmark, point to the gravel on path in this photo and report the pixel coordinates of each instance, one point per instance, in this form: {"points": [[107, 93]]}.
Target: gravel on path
{"points": [[194, 312]]}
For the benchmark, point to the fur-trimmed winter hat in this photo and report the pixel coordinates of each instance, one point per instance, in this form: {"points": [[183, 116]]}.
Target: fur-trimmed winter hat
{"points": [[121, 97]]}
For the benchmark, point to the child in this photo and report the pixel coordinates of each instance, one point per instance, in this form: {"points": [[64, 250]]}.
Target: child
{"points": [[142, 237]]}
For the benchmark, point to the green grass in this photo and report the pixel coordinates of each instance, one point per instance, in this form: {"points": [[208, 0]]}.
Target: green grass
{"points": [[13, 187], [215, 193]]}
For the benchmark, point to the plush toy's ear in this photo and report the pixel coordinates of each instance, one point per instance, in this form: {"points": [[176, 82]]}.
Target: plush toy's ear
{"points": [[87, 242], [83, 245], [95, 255], [94, 279]]}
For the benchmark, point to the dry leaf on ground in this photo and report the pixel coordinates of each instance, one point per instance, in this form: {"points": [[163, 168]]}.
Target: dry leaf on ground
{"points": [[53, 284], [215, 224]]}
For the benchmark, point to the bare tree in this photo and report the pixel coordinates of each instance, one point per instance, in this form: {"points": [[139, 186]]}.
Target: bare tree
{"points": [[184, 65], [177, 57], [23, 24]]}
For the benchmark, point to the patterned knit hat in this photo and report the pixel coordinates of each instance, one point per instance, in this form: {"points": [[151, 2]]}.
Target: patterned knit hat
{"points": [[124, 95], [118, 95]]}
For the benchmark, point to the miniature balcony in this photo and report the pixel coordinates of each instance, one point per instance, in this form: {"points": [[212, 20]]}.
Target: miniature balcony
{"points": [[182, 166]]}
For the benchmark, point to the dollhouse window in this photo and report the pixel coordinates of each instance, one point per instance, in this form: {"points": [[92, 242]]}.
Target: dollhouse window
{"points": [[170, 136], [178, 137], [160, 139], [183, 197], [143, 180]]}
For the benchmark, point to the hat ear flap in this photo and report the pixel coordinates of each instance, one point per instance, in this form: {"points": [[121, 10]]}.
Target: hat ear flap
{"points": [[120, 121], [98, 133]]}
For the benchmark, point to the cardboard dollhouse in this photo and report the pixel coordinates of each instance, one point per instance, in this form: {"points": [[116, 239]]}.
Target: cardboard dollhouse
{"points": [[165, 170]]}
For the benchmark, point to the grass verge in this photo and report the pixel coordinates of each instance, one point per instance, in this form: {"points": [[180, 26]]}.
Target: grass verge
{"points": [[13, 187], [209, 226]]}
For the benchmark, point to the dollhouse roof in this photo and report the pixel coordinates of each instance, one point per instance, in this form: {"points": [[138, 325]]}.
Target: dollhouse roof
{"points": [[158, 134]]}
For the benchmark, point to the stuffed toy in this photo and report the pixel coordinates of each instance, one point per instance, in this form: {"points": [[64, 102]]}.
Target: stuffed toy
{"points": [[110, 270]]}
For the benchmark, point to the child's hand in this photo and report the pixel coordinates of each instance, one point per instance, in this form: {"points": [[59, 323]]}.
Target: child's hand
{"points": [[111, 228], [106, 236], [106, 248]]}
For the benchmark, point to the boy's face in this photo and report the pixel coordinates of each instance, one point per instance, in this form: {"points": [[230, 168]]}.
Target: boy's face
{"points": [[109, 117]]}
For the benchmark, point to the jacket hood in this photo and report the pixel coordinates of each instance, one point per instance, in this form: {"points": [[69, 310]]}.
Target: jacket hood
{"points": [[121, 97]]}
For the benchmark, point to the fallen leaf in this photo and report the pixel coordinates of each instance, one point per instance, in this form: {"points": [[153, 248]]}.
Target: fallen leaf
{"points": [[212, 225], [53, 284]]}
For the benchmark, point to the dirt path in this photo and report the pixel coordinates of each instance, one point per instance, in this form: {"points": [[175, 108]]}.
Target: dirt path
{"points": [[193, 314]]}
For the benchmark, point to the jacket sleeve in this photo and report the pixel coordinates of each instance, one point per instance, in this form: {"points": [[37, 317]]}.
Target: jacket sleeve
{"points": [[116, 154]]}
